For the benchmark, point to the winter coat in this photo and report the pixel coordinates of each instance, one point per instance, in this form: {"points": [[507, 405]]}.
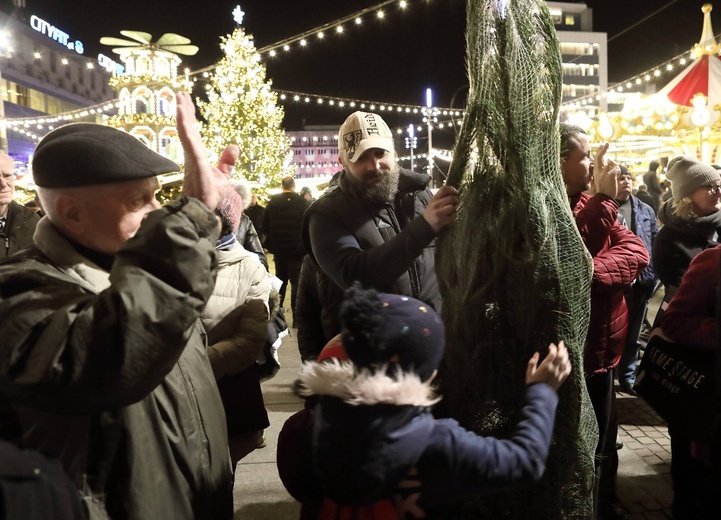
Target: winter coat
{"points": [[679, 240], [236, 316], [645, 226], [19, 228], [247, 236], [282, 221], [690, 318], [374, 437], [33, 487], [108, 371], [255, 213], [390, 248], [618, 257]]}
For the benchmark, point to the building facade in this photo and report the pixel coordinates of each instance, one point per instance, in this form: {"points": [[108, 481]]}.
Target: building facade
{"points": [[584, 54], [44, 71]]}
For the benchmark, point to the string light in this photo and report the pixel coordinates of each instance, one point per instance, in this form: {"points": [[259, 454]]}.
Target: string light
{"points": [[646, 76], [337, 26]]}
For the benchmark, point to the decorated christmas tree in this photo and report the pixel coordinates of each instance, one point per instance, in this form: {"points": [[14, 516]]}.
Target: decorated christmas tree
{"points": [[242, 109]]}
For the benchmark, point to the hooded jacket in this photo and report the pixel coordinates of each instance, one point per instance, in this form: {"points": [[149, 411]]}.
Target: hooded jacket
{"points": [[19, 229], [679, 240], [618, 258], [374, 437], [390, 247], [108, 372]]}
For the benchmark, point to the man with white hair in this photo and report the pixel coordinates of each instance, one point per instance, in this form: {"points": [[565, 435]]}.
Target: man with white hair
{"points": [[102, 364], [17, 223]]}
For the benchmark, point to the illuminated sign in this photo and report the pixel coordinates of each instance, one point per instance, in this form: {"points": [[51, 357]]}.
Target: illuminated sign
{"points": [[110, 65], [56, 34]]}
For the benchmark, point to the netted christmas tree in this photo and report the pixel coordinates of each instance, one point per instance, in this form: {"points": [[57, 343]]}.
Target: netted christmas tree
{"points": [[241, 109], [513, 271]]}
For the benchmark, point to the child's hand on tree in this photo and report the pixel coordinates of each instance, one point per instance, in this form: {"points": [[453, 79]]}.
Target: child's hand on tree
{"points": [[553, 370]]}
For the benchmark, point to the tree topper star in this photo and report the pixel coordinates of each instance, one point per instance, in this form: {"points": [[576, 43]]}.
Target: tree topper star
{"points": [[238, 15]]}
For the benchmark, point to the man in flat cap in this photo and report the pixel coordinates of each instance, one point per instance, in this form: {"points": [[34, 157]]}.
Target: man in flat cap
{"points": [[378, 224], [102, 363]]}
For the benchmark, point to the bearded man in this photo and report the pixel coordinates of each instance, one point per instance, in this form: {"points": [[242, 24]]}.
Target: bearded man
{"points": [[377, 225]]}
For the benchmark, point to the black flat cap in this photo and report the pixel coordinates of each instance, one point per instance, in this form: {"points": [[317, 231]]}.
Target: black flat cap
{"points": [[86, 154]]}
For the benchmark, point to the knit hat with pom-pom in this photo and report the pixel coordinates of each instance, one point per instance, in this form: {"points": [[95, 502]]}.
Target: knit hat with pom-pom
{"points": [[387, 329]]}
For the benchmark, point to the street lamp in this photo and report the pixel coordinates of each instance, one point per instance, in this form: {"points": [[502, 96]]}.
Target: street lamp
{"points": [[411, 142], [429, 121]]}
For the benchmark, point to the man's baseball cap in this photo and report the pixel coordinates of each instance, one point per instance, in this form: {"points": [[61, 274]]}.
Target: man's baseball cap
{"points": [[361, 131]]}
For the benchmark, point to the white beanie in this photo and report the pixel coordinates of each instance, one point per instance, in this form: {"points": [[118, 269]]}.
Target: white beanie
{"points": [[687, 175]]}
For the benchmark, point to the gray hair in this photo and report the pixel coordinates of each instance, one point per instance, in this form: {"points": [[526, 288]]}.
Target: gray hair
{"points": [[243, 189]]}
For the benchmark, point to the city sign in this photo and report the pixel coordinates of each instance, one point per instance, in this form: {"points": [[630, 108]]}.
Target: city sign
{"points": [[110, 65], [56, 34]]}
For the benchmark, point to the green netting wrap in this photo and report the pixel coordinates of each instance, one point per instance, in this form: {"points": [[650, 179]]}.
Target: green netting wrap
{"points": [[513, 270]]}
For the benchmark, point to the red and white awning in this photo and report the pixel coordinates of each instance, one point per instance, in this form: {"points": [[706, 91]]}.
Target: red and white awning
{"points": [[702, 76]]}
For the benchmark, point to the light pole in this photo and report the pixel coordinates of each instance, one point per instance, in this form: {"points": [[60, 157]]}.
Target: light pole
{"points": [[429, 104], [411, 142]]}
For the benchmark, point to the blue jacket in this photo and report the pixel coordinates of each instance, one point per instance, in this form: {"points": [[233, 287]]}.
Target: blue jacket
{"points": [[645, 226], [374, 437]]}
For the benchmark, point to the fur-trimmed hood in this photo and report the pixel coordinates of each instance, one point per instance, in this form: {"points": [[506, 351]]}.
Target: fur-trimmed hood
{"points": [[369, 428], [341, 379]]}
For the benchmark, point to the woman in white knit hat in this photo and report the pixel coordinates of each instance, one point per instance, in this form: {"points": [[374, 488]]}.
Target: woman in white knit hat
{"points": [[691, 223], [691, 220]]}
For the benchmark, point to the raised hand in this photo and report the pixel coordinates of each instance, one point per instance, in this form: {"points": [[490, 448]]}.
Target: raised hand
{"points": [[605, 173], [202, 180], [553, 370]]}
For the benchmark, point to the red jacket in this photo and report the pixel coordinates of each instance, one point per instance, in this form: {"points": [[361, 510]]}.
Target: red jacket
{"points": [[690, 318], [618, 257]]}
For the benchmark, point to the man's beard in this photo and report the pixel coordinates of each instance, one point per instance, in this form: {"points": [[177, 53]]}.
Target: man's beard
{"points": [[380, 193]]}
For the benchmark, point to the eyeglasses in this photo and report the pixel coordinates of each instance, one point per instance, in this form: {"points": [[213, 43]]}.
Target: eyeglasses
{"points": [[714, 188]]}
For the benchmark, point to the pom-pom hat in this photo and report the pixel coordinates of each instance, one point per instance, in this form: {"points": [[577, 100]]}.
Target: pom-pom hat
{"points": [[387, 329]]}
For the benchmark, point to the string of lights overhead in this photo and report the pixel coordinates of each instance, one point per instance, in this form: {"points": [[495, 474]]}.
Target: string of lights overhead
{"points": [[30, 125], [319, 34], [671, 65]]}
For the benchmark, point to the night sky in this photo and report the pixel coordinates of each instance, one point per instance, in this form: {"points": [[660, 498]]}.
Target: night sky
{"points": [[393, 61]]}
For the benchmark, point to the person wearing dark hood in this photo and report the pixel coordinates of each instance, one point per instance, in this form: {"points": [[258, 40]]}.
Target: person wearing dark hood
{"points": [[375, 443], [691, 221]]}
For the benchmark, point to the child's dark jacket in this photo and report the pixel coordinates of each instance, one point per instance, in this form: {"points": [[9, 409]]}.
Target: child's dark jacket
{"points": [[374, 437]]}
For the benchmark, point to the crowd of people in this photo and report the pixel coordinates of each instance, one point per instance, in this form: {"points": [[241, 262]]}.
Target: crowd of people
{"points": [[129, 381]]}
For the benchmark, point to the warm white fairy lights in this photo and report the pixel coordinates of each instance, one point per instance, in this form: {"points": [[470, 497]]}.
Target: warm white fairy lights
{"points": [[637, 80], [28, 126]]}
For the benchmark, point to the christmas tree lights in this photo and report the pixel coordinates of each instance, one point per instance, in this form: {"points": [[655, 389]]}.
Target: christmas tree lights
{"points": [[242, 109]]}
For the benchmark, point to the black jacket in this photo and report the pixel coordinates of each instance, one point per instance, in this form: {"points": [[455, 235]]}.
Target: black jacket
{"points": [[679, 241], [390, 248], [19, 229], [282, 220], [247, 236]]}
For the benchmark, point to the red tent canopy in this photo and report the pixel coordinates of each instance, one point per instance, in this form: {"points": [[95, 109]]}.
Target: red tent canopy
{"points": [[703, 75]]}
